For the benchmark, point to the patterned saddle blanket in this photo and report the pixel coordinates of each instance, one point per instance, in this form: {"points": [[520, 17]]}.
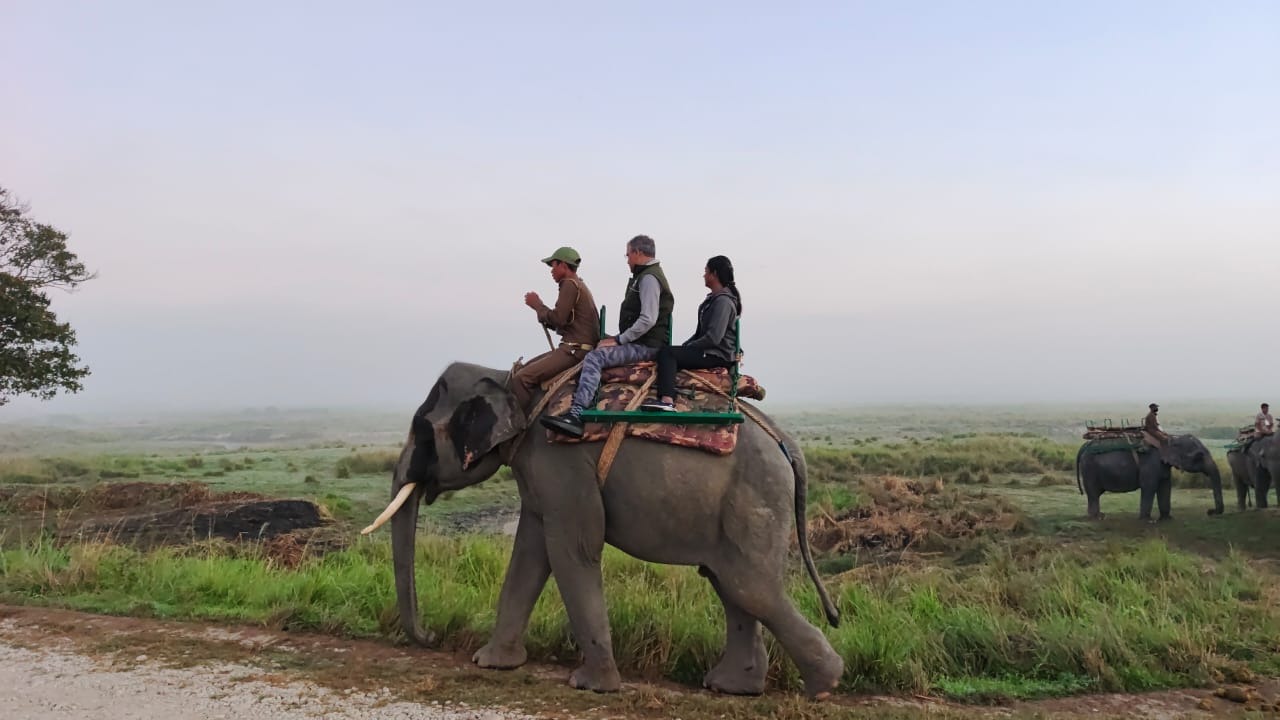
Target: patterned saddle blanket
{"points": [[1117, 443], [619, 385], [1244, 438]]}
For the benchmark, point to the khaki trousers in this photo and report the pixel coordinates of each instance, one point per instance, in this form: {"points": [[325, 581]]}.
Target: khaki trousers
{"points": [[541, 369]]}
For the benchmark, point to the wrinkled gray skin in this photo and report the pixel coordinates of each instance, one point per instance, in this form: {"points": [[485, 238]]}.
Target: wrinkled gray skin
{"points": [[729, 516], [1116, 472], [1257, 469]]}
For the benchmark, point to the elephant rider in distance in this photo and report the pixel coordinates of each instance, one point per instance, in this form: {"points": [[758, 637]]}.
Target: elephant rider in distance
{"points": [[1262, 422], [574, 317], [1151, 432], [644, 321]]}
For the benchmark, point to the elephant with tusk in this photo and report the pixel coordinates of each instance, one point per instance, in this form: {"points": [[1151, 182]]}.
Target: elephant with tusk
{"points": [[730, 516]]}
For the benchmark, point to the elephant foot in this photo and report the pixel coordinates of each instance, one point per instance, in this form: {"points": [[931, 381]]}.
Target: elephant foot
{"points": [[821, 678], [1095, 516], [734, 676], [600, 680], [1165, 518], [500, 657]]}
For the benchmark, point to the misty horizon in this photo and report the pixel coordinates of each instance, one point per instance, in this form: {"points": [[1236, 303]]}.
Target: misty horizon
{"points": [[988, 205]]}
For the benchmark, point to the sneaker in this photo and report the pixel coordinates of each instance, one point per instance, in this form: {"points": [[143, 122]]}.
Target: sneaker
{"points": [[568, 424], [657, 405]]}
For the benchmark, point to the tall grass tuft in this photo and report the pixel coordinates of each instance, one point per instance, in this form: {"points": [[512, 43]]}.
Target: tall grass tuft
{"points": [[367, 463]]}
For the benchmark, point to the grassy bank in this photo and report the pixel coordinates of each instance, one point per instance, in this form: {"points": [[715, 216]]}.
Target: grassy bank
{"points": [[972, 455], [1038, 619], [996, 586]]}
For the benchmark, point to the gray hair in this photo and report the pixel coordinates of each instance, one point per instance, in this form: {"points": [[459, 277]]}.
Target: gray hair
{"points": [[642, 244]]}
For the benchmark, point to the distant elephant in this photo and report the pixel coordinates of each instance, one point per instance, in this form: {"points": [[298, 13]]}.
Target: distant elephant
{"points": [[730, 516], [1262, 460], [1242, 476], [1118, 472]]}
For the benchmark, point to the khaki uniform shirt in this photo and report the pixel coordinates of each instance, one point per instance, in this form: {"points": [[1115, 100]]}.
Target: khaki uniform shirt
{"points": [[1263, 423], [1151, 425], [575, 317]]}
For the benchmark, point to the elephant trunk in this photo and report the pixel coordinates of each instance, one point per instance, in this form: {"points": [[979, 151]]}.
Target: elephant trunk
{"points": [[404, 526], [1215, 477]]}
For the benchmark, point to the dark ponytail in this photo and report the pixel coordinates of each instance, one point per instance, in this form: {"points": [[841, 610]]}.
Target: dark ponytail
{"points": [[723, 270]]}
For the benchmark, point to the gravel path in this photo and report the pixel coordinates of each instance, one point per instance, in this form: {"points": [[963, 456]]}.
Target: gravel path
{"points": [[57, 683]]}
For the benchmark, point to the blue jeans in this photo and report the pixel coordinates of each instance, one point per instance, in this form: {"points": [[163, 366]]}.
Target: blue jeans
{"points": [[599, 359]]}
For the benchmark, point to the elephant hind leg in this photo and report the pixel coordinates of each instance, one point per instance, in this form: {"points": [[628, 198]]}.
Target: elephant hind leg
{"points": [[744, 664], [1242, 494], [1095, 508], [765, 598]]}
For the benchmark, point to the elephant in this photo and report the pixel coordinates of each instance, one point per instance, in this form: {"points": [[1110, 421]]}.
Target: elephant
{"points": [[1242, 475], [1259, 469], [1122, 471], [729, 516]]}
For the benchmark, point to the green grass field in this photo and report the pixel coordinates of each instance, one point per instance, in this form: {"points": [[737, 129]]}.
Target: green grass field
{"points": [[1048, 604]]}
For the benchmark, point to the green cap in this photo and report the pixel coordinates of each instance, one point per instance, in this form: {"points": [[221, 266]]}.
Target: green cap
{"points": [[565, 255]]}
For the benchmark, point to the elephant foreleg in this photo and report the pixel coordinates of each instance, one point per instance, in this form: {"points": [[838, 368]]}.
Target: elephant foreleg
{"points": [[574, 549], [744, 665], [526, 576], [1262, 487], [1163, 493], [1145, 501], [1148, 481], [764, 598]]}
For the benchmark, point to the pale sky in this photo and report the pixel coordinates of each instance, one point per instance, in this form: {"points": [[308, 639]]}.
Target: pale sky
{"points": [[322, 204]]}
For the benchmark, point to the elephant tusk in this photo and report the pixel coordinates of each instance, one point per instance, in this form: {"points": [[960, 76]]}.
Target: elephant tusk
{"points": [[396, 502]]}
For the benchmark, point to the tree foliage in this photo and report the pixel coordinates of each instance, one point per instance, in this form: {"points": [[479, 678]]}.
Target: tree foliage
{"points": [[36, 355]]}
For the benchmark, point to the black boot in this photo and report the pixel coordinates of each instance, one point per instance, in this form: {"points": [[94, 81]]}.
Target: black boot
{"points": [[569, 424]]}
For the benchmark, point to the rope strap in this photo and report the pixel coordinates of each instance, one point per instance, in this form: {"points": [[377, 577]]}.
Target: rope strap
{"points": [[556, 383], [618, 432]]}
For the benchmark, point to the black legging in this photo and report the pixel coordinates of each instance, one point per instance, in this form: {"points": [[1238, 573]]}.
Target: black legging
{"points": [[673, 358]]}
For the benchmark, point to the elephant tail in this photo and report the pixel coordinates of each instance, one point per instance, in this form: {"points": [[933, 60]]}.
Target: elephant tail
{"points": [[802, 536], [1079, 454]]}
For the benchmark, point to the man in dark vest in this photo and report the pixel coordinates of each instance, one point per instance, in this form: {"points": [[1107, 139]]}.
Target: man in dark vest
{"points": [[644, 322]]}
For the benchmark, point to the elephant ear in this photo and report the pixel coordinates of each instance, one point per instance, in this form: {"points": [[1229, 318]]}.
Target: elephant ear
{"points": [[486, 419]]}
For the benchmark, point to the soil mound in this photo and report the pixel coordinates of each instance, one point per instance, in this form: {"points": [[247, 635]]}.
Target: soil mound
{"points": [[146, 515], [897, 513], [228, 520]]}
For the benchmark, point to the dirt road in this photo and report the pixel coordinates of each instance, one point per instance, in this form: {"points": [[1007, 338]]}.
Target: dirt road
{"points": [[58, 684], [58, 664]]}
